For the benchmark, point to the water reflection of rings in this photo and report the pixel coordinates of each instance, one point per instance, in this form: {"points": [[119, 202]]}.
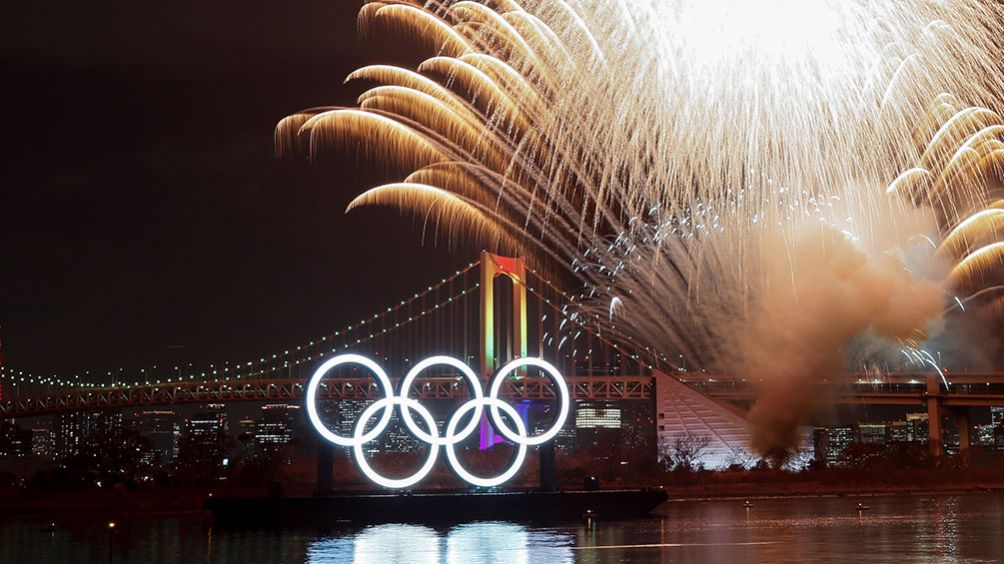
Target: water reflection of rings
{"points": [[452, 436]]}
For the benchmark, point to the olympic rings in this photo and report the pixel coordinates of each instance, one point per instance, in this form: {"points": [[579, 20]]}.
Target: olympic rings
{"points": [[452, 436]]}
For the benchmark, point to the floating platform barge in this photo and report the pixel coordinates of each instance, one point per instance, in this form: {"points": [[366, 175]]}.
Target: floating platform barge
{"points": [[436, 507]]}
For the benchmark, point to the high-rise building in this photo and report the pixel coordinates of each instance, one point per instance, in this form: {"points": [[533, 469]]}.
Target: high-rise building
{"points": [[996, 428], [15, 442], [820, 444], [247, 435], [42, 444], [594, 422], [205, 436], [997, 416], [593, 416], [567, 439], [897, 432], [107, 426], [341, 416], [872, 433], [69, 433], [247, 426], [838, 438], [917, 425], [275, 427], [160, 428], [75, 430]]}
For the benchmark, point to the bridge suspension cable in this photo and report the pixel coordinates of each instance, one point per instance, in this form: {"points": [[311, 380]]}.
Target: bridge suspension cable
{"points": [[356, 333], [441, 319]]}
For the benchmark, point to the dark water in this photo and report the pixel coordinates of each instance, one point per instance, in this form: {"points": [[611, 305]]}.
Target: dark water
{"points": [[895, 529]]}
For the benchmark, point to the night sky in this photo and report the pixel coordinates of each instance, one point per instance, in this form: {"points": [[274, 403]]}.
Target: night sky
{"points": [[144, 217]]}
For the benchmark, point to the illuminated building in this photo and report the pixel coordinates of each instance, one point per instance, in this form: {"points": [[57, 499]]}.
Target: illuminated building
{"points": [[567, 439], [820, 443], [992, 435], [592, 416], [41, 443], [872, 433], [14, 441], [684, 414], [398, 439], [917, 425], [160, 428], [838, 439], [275, 427], [79, 428], [205, 435], [340, 416], [599, 422], [69, 433], [897, 432], [247, 435], [997, 416]]}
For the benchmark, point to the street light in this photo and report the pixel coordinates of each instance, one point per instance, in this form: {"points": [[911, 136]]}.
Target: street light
{"points": [[111, 545]]}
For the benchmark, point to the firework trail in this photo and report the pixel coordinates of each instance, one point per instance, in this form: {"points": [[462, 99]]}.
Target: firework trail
{"points": [[750, 185]]}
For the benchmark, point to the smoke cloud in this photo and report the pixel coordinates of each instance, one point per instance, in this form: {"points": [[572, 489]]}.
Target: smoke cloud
{"points": [[819, 293]]}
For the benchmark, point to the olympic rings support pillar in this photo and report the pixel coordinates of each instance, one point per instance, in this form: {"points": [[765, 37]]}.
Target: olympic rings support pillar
{"points": [[325, 467], [548, 470]]}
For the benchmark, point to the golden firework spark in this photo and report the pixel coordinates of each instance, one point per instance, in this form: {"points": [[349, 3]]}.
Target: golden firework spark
{"points": [[660, 149]]}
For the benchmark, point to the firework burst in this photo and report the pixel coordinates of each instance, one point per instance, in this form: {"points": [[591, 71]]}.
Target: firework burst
{"points": [[722, 178]]}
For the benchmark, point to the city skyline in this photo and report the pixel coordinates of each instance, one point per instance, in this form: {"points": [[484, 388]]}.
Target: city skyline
{"points": [[591, 422]]}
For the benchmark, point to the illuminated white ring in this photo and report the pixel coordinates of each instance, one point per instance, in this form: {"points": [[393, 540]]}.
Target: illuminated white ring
{"points": [[387, 404], [451, 438], [472, 382], [563, 398], [517, 462], [311, 399]]}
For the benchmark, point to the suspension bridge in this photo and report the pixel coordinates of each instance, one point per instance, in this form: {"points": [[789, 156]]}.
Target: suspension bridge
{"points": [[458, 316], [492, 310]]}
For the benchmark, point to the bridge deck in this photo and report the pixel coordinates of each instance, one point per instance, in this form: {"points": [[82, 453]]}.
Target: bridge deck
{"points": [[965, 390], [592, 387]]}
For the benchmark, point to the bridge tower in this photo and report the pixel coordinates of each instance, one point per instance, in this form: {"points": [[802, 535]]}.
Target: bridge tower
{"points": [[492, 268]]}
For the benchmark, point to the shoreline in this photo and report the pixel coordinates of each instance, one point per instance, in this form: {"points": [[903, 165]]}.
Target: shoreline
{"points": [[152, 504], [815, 491], [876, 493]]}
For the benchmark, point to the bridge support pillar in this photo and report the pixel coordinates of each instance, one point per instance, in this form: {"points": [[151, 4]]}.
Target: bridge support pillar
{"points": [[934, 415]]}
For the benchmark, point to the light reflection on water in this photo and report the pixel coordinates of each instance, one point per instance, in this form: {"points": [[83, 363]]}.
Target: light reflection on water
{"points": [[488, 542], [504, 543], [895, 530]]}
